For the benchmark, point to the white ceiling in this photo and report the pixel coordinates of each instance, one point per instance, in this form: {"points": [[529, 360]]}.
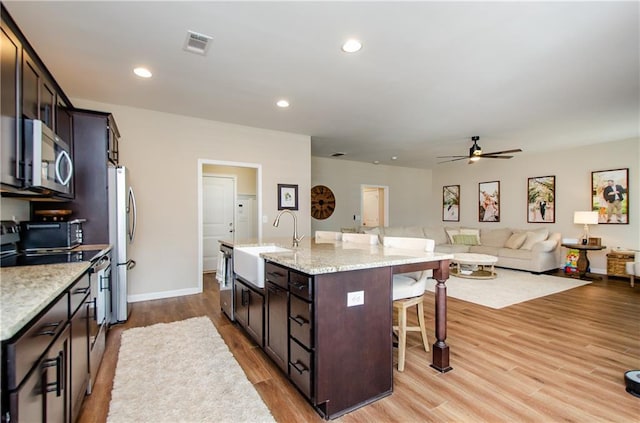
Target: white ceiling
{"points": [[536, 75]]}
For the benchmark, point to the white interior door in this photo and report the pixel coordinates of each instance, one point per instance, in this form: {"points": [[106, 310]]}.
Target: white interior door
{"points": [[371, 201], [218, 198]]}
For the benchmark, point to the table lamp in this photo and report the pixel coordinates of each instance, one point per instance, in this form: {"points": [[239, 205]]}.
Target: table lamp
{"points": [[585, 218]]}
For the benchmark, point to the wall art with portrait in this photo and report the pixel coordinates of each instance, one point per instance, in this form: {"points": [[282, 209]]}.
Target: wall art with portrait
{"points": [[451, 203], [489, 201], [610, 195], [287, 197], [541, 199]]}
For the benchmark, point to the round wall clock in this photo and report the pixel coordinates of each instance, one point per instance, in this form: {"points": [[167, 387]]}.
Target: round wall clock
{"points": [[323, 203]]}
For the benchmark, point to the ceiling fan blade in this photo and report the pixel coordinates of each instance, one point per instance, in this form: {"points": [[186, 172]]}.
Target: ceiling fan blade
{"points": [[454, 160], [495, 157], [502, 152], [450, 157]]}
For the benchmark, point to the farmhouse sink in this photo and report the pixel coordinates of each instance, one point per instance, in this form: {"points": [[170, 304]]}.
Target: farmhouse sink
{"points": [[248, 264]]}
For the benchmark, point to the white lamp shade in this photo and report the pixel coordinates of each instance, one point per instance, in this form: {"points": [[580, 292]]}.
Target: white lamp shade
{"points": [[585, 217]]}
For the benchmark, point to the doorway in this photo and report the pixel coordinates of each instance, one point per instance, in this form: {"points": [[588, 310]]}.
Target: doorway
{"points": [[374, 205], [229, 206]]}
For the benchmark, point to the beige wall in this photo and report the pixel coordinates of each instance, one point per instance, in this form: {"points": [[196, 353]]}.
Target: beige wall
{"points": [[572, 169], [13, 208], [409, 191], [162, 151], [246, 176]]}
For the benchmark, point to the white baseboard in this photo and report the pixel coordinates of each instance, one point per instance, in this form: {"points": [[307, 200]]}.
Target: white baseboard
{"points": [[163, 294]]}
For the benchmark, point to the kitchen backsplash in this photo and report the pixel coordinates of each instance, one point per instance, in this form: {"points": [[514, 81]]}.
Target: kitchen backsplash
{"points": [[11, 208]]}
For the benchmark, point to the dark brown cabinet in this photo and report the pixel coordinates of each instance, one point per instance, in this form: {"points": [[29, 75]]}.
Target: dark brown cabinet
{"points": [[10, 127], [276, 336], [39, 97], [249, 310], [79, 295]]}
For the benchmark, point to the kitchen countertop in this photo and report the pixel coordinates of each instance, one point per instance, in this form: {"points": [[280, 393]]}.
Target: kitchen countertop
{"points": [[26, 290], [330, 257]]}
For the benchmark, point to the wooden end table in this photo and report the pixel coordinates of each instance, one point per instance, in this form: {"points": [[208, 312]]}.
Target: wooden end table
{"points": [[583, 260]]}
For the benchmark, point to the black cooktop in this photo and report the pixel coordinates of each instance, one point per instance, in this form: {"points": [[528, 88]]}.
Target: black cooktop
{"points": [[47, 257]]}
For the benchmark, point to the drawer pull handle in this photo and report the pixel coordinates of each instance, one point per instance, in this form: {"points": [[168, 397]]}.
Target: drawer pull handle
{"points": [[300, 369], [298, 286], [276, 274], [300, 320], [82, 290], [56, 386], [49, 325]]}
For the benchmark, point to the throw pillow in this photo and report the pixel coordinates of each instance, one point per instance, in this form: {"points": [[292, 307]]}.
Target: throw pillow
{"points": [[516, 240], [450, 233], [471, 231], [461, 239], [532, 238]]}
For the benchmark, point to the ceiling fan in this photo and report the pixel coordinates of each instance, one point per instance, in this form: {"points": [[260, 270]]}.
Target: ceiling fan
{"points": [[475, 153]]}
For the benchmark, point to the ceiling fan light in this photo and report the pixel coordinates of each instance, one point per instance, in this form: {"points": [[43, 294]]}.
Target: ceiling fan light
{"points": [[474, 158]]}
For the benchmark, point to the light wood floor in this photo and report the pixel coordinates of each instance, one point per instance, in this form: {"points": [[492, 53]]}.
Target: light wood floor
{"points": [[556, 358]]}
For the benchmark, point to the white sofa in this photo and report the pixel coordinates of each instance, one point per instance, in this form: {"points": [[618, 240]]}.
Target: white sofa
{"points": [[534, 250]]}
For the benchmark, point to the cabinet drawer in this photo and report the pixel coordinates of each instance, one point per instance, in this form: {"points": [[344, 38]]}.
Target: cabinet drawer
{"points": [[300, 285], [26, 351], [78, 292], [300, 321], [300, 367], [276, 275]]}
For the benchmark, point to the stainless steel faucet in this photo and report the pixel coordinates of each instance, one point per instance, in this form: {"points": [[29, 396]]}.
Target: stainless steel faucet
{"points": [[276, 222]]}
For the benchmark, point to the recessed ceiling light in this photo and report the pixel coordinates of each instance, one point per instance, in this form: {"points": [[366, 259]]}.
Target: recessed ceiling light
{"points": [[282, 103], [394, 157], [142, 72], [376, 162], [351, 46]]}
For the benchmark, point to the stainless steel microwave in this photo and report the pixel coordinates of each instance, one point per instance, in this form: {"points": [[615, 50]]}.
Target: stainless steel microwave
{"points": [[49, 167]]}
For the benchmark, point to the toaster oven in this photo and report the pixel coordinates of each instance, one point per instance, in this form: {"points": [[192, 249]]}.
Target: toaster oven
{"points": [[50, 235]]}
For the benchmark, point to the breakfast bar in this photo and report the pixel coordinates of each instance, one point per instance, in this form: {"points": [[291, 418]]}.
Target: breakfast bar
{"points": [[328, 317]]}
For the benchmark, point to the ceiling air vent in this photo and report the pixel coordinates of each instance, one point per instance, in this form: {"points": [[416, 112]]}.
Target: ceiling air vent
{"points": [[197, 43], [338, 154]]}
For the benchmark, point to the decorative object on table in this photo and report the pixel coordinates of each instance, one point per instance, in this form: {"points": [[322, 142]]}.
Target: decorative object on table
{"points": [[287, 197], [594, 241], [489, 201], [451, 203], [585, 218], [323, 203], [541, 195], [610, 195]]}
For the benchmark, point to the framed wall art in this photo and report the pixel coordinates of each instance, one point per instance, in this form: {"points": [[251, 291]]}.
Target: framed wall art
{"points": [[451, 203], [489, 201], [541, 199], [287, 197], [610, 195]]}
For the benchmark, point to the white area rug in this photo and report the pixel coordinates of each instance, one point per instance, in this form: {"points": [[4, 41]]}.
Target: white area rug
{"points": [[181, 372], [510, 287]]}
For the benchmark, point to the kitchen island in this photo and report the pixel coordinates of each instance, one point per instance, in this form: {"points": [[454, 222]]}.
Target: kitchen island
{"points": [[327, 313]]}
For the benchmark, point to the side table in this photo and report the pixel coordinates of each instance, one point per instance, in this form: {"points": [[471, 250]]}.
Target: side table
{"points": [[583, 260]]}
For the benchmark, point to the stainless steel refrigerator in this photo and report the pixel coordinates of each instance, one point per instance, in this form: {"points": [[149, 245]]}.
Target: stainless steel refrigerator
{"points": [[122, 229]]}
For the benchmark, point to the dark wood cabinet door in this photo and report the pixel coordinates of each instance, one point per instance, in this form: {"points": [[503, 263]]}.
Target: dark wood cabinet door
{"points": [[47, 106], [276, 337], [55, 380], [241, 303], [79, 357], [10, 135], [30, 88], [256, 317]]}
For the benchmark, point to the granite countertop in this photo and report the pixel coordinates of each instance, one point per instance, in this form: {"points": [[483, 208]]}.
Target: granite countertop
{"points": [[26, 290], [330, 257]]}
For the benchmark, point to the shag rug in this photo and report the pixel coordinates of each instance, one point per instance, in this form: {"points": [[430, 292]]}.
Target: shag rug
{"points": [[181, 372], [510, 287]]}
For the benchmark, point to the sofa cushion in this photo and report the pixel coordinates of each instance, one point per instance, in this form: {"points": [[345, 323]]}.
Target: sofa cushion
{"points": [[516, 240], [413, 232], [472, 231], [451, 248], [495, 237], [534, 237], [545, 246], [517, 254], [435, 233], [484, 249], [465, 239]]}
